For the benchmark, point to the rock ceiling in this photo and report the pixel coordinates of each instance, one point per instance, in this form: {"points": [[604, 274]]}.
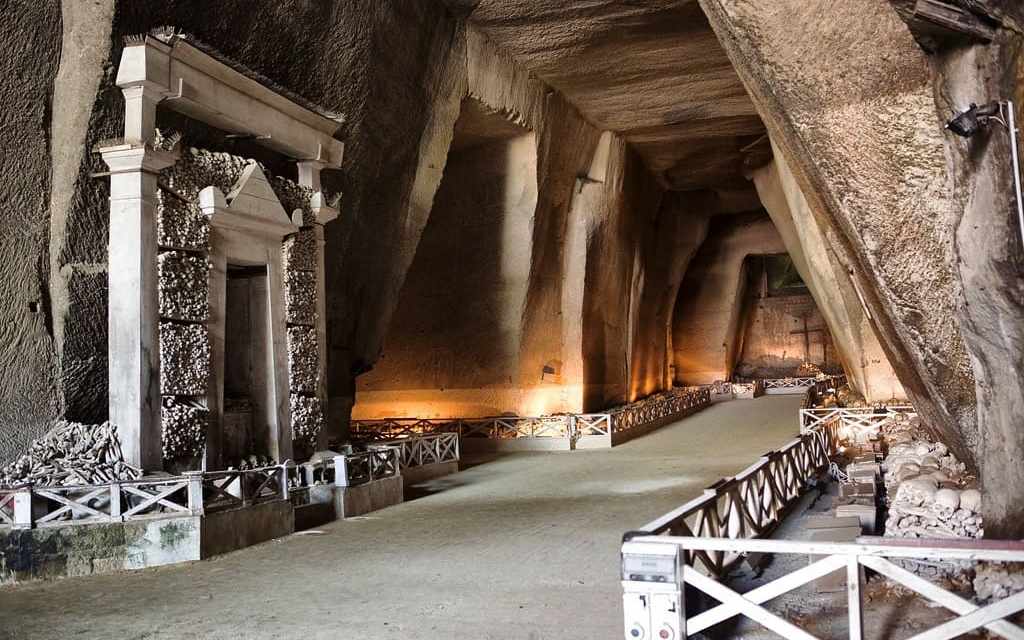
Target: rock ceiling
{"points": [[651, 70]]}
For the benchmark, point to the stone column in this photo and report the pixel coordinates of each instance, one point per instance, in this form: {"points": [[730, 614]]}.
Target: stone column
{"points": [[309, 176], [133, 352]]}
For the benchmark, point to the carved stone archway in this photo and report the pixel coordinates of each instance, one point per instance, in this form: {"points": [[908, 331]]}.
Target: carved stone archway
{"points": [[246, 229]]}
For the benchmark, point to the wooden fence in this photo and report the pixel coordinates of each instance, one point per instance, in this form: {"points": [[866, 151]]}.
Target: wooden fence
{"points": [[871, 553], [753, 502], [191, 494], [619, 422]]}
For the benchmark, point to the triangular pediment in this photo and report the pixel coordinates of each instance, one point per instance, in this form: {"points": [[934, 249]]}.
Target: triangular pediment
{"points": [[252, 195], [252, 206]]}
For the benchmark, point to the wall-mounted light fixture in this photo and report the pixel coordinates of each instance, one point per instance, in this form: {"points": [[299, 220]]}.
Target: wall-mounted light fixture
{"points": [[966, 123], [970, 121]]}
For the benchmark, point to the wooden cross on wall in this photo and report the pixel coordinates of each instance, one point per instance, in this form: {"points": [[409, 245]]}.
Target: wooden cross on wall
{"points": [[806, 332]]}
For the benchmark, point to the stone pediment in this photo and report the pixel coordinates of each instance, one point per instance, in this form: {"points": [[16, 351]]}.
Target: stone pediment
{"points": [[251, 206]]}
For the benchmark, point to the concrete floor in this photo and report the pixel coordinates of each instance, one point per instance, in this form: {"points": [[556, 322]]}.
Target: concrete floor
{"points": [[521, 546]]}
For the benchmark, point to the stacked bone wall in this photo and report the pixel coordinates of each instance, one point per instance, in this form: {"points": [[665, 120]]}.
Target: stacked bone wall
{"points": [[183, 268], [300, 260]]}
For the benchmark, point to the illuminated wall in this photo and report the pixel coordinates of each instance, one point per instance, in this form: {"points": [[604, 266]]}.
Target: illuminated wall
{"points": [[453, 345]]}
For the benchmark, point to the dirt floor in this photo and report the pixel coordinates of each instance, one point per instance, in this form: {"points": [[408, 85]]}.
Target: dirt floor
{"points": [[519, 546]]}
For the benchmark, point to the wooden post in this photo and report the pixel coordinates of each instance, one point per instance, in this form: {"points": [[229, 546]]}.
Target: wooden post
{"points": [[243, 488], [195, 492], [683, 568], [23, 508], [340, 471], [115, 502], [853, 598], [285, 468]]}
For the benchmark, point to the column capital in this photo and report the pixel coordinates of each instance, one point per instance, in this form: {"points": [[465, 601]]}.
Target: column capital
{"points": [[145, 89], [309, 172], [324, 212], [129, 157]]}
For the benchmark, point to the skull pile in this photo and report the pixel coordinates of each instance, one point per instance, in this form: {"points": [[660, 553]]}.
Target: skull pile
{"points": [[184, 359]]}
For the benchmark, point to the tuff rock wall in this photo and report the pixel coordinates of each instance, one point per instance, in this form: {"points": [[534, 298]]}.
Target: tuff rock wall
{"points": [[924, 220], [561, 332], [708, 317], [774, 344], [415, 58], [453, 346], [356, 57], [613, 286], [829, 281], [30, 375], [669, 245]]}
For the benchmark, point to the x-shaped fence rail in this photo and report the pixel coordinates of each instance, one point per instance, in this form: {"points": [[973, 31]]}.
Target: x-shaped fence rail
{"points": [[417, 451], [855, 419], [675, 403], [753, 502], [723, 525], [193, 493], [380, 460], [871, 553]]}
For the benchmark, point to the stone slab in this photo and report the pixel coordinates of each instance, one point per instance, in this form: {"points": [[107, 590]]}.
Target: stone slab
{"points": [[867, 515], [226, 531], [852, 489], [314, 514], [71, 550], [423, 473], [835, 581], [356, 501], [487, 445], [864, 467], [830, 522]]}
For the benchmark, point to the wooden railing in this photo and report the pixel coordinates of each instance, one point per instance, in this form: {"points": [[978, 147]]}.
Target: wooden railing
{"points": [[379, 461], [222, 490], [417, 451], [393, 428], [675, 403], [871, 553], [855, 418], [723, 525], [376, 463], [788, 385], [193, 493], [510, 428], [657, 408], [592, 424], [754, 387], [753, 502]]}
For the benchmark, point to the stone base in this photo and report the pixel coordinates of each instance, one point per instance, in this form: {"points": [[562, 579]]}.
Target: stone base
{"points": [[748, 395], [793, 391], [355, 501], [86, 549], [312, 515], [423, 473], [594, 442], [489, 445], [239, 528]]}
